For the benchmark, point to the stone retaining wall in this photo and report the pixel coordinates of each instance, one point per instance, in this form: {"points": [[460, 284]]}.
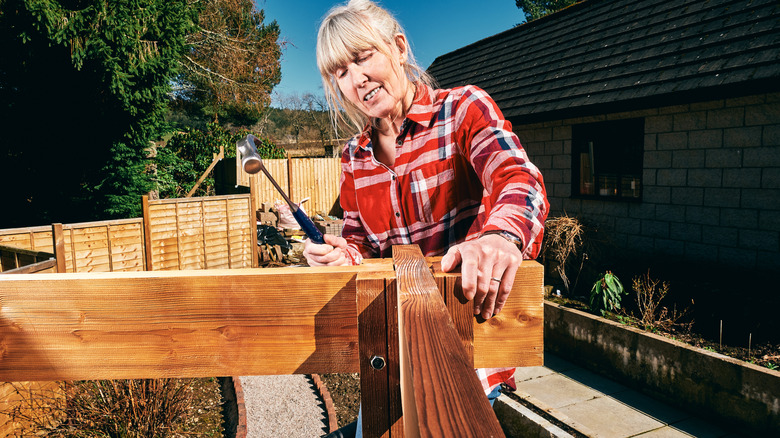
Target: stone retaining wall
{"points": [[707, 383]]}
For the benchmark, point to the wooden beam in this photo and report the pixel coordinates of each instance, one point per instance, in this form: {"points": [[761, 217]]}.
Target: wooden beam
{"points": [[217, 158], [179, 323], [518, 329], [378, 354], [58, 242], [211, 323], [442, 396], [33, 268], [147, 234]]}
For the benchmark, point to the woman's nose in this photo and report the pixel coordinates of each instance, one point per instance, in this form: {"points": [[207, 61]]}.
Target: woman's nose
{"points": [[357, 75]]}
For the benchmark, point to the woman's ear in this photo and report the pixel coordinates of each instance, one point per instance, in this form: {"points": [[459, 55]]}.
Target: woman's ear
{"points": [[401, 45]]}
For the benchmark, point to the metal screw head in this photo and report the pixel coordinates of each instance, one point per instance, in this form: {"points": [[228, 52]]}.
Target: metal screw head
{"points": [[377, 362]]}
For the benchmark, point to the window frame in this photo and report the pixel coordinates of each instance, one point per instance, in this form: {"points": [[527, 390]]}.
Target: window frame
{"points": [[612, 153]]}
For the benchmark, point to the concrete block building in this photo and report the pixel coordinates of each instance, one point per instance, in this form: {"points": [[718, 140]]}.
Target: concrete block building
{"points": [[656, 120]]}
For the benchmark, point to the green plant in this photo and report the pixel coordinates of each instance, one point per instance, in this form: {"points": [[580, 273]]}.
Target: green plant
{"points": [[606, 294], [185, 157], [709, 349], [772, 366]]}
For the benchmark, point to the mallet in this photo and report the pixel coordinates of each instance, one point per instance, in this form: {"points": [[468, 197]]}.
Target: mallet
{"points": [[251, 162]]}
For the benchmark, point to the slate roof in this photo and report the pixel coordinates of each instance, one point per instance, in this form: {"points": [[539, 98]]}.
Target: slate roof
{"points": [[616, 55]]}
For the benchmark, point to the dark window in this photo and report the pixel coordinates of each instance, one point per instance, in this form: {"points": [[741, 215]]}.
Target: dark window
{"points": [[607, 159]]}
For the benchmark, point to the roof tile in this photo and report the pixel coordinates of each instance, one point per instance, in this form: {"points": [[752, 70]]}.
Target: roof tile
{"points": [[621, 52]]}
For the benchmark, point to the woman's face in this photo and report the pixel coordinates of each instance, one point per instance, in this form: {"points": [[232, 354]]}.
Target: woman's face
{"points": [[374, 82]]}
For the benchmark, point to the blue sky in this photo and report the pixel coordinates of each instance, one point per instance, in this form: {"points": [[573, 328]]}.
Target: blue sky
{"points": [[434, 27]]}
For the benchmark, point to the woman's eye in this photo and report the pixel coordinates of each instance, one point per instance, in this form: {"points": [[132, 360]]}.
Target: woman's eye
{"points": [[340, 73], [363, 57]]}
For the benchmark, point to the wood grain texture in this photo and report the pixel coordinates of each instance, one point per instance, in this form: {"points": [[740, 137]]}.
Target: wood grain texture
{"points": [[518, 329], [200, 233], [206, 323], [375, 385], [179, 324], [446, 394], [113, 245]]}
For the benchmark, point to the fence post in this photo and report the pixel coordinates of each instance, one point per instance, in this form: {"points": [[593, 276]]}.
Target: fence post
{"points": [[253, 207], [147, 233], [58, 242]]}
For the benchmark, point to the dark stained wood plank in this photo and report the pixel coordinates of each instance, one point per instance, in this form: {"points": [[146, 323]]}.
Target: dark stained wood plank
{"points": [[372, 339], [447, 399]]}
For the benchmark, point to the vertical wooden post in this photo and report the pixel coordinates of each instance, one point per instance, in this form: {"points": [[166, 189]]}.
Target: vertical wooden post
{"points": [[289, 177], [58, 242], [441, 394], [109, 248], [254, 205], [373, 354], [147, 233]]}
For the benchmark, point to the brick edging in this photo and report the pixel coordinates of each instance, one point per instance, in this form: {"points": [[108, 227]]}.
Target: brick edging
{"points": [[241, 426], [330, 410]]}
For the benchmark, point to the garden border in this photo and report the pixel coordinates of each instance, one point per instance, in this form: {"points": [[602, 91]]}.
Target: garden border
{"points": [[691, 378]]}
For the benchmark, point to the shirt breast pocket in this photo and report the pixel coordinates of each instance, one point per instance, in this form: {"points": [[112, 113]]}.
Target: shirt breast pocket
{"points": [[433, 191]]}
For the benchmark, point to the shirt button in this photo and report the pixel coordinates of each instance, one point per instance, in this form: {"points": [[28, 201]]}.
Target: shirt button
{"points": [[399, 142], [397, 214], [393, 177]]}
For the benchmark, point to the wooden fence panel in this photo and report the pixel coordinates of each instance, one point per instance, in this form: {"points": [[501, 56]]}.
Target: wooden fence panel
{"points": [[318, 179], [102, 246], [315, 178], [200, 233]]}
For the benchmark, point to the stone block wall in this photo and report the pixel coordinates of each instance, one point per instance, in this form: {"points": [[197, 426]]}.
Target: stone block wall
{"points": [[711, 181]]}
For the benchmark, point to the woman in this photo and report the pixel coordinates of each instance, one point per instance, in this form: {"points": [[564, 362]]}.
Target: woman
{"points": [[437, 168]]}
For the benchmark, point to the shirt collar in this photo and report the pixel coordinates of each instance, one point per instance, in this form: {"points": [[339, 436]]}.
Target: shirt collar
{"points": [[422, 108]]}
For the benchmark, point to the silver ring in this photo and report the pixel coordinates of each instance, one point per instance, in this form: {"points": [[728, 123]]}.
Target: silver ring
{"points": [[495, 279]]}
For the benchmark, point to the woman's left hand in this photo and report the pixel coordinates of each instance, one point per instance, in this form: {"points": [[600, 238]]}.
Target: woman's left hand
{"points": [[488, 268]]}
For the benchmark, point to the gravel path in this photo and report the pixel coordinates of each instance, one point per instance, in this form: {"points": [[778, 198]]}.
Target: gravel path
{"points": [[283, 406]]}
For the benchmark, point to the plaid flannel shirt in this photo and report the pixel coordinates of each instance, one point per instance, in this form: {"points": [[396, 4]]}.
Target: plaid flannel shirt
{"points": [[459, 171]]}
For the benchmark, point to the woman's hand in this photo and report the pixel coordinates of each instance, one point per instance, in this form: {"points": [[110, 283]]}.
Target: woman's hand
{"points": [[488, 268], [332, 253]]}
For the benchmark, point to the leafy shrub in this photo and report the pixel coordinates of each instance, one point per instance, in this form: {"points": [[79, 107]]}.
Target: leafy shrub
{"points": [[187, 155], [606, 294]]}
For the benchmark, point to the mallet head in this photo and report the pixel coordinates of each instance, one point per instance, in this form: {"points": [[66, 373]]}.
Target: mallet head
{"points": [[250, 159]]}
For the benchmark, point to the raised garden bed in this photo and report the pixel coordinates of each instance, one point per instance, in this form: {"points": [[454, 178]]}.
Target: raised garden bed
{"points": [[702, 381]]}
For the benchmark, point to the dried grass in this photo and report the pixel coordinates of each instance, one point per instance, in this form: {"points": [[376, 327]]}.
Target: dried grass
{"points": [[562, 248]]}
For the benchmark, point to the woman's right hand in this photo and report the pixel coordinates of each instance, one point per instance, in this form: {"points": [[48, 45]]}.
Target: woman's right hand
{"points": [[332, 253]]}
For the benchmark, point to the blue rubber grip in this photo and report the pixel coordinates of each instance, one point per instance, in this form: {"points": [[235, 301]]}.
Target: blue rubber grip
{"points": [[308, 226]]}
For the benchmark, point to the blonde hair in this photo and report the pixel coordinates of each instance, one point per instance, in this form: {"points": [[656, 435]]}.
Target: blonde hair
{"points": [[346, 31]]}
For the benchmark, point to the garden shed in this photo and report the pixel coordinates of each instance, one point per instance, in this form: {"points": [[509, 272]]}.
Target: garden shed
{"points": [[656, 120]]}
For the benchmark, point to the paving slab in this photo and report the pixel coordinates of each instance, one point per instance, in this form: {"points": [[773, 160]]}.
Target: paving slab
{"points": [[556, 390], [610, 418], [599, 407]]}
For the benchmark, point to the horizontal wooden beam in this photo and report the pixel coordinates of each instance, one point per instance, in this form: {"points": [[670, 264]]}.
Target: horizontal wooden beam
{"points": [[50, 264], [210, 323]]}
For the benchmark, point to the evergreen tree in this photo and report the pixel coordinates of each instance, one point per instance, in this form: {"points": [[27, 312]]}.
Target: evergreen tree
{"points": [[83, 88], [534, 9]]}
